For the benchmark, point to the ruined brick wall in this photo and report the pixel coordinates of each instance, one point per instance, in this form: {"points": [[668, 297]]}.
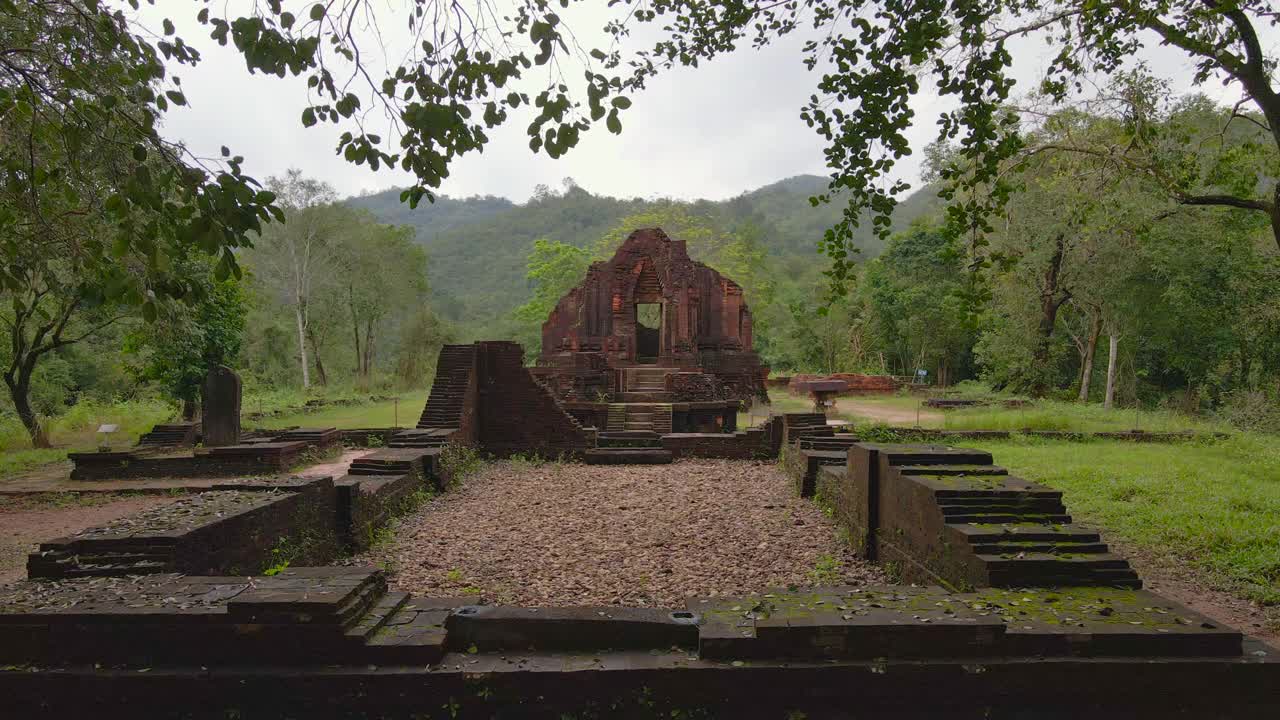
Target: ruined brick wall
{"points": [[514, 413], [261, 459], [705, 320], [858, 384], [302, 525], [367, 502], [689, 386]]}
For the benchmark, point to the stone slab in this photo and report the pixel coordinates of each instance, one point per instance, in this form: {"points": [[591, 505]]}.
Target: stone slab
{"points": [[491, 628]]}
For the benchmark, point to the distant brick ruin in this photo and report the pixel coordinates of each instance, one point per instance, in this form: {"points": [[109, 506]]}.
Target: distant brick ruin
{"points": [[651, 324]]}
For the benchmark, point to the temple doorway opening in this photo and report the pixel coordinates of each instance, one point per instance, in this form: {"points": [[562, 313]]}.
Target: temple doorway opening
{"points": [[648, 332]]}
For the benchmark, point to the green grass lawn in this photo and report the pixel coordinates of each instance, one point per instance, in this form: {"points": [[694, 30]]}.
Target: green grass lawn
{"points": [[1058, 415], [364, 415], [1214, 506], [1038, 415], [75, 430]]}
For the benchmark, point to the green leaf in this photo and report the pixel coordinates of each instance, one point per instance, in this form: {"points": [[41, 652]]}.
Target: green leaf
{"points": [[308, 117], [177, 97], [613, 123], [139, 153], [317, 11], [621, 103]]}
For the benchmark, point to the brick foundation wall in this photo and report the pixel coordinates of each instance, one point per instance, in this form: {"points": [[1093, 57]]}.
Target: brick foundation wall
{"points": [[300, 524], [515, 414], [746, 445], [367, 502], [127, 465]]}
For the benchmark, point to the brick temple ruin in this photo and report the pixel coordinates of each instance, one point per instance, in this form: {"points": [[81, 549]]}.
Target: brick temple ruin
{"points": [[1005, 608], [652, 340]]}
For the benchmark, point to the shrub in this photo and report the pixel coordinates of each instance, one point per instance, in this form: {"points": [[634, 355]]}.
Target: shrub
{"points": [[1251, 410]]}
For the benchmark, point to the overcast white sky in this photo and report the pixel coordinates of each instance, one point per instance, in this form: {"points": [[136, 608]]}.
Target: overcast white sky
{"points": [[711, 132]]}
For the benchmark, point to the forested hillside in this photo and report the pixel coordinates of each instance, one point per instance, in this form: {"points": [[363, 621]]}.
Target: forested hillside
{"points": [[478, 247]]}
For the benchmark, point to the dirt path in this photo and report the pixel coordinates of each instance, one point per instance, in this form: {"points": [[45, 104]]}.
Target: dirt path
{"points": [[26, 522], [886, 414], [1165, 577], [622, 535]]}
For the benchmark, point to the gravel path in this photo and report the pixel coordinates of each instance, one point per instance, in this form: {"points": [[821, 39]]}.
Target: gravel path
{"points": [[653, 535]]}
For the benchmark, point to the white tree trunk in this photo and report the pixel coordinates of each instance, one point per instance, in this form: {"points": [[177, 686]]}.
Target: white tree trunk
{"points": [[302, 346], [1111, 369], [1091, 349]]}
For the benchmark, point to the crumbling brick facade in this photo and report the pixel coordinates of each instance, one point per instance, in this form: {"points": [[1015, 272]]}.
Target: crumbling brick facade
{"points": [[704, 324]]}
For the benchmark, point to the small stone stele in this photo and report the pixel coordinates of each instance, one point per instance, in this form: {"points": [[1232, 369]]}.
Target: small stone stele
{"points": [[220, 407]]}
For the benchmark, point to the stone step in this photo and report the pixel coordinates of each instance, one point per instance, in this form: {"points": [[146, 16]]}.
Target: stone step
{"points": [[1000, 518], [1025, 532], [377, 616], [1110, 577], [618, 456], [1004, 548], [1026, 562], [981, 505], [411, 636]]}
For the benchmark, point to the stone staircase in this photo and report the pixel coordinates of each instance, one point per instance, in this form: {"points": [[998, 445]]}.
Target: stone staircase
{"points": [[645, 384], [141, 556], [1017, 533], [651, 417], [628, 447], [319, 437], [170, 435], [449, 390], [420, 438], [392, 461]]}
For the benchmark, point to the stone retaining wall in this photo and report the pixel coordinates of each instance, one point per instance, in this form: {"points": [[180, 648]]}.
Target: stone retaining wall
{"points": [[231, 529]]}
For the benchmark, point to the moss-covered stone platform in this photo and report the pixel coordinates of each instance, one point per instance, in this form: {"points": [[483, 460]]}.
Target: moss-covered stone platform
{"points": [[330, 642]]}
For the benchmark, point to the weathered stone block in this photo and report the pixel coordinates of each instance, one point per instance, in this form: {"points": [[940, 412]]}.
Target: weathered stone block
{"points": [[220, 407]]}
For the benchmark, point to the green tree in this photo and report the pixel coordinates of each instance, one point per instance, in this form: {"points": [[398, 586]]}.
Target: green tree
{"points": [[94, 205], [380, 273], [177, 349], [553, 269], [294, 257], [917, 295], [874, 57]]}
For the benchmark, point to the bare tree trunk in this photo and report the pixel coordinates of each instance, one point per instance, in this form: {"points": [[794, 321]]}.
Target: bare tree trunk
{"points": [[355, 326], [322, 378], [302, 346], [1052, 296], [366, 368], [1091, 349], [1114, 340], [20, 394]]}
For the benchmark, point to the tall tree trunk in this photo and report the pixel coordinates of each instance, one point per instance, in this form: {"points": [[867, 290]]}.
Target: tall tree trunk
{"points": [[20, 394], [302, 346], [322, 378], [366, 368], [1114, 341], [355, 326], [1091, 349], [1052, 296]]}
